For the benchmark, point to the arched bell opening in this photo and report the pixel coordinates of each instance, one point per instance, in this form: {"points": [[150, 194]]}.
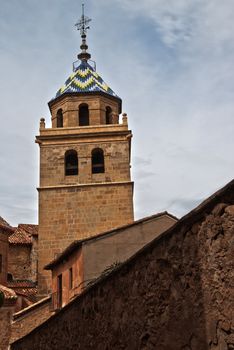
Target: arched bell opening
{"points": [[71, 163], [59, 118], [98, 165], [108, 115], [83, 114]]}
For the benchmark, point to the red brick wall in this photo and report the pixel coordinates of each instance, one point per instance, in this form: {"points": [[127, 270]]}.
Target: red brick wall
{"points": [[175, 294]]}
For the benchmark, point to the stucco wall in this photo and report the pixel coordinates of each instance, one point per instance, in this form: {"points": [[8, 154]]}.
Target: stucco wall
{"points": [[118, 246], [75, 262], [176, 294]]}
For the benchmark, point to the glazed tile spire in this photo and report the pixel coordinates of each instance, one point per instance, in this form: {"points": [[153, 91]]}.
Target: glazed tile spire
{"points": [[84, 78], [82, 26]]}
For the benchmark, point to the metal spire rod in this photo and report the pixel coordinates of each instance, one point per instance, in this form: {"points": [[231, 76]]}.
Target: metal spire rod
{"points": [[82, 26]]}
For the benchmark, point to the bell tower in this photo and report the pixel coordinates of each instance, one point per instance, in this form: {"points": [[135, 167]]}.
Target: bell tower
{"points": [[85, 183]]}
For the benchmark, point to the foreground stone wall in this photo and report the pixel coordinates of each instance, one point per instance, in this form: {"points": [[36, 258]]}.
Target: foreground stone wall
{"points": [[26, 320], [5, 326], [176, 293]]}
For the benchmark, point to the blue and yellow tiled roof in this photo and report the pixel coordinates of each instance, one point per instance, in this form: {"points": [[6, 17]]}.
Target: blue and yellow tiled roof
{"points": [[85, 79]]}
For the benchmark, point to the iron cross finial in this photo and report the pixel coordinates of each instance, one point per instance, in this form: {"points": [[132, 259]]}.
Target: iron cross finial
{"points": [[82, 24]]}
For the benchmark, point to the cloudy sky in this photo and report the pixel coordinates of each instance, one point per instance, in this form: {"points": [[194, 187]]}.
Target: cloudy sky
{"points": [[172, 63]]}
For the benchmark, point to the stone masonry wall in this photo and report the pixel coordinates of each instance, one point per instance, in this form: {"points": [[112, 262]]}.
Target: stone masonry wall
{"points": [[25, 321], [34, 259], [5, 326], [70, 107], [175, 294], [19, 261], [69, 214], [3, 257], [116, 160]]}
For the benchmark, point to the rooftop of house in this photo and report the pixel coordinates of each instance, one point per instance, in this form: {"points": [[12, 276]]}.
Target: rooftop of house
{"points": [[23, 234], [3, 222], [9, 294], [26, 288], [78, 243], [5, 227]]}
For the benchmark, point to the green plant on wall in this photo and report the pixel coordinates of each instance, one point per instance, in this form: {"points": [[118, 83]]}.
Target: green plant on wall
{"points": [[1, 298]]}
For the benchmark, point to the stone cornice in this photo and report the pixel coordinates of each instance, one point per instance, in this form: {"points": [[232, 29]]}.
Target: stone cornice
{"points": [[68, 186]]}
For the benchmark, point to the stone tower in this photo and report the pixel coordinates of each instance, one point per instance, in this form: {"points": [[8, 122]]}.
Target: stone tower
{"points": [[85, 183]]}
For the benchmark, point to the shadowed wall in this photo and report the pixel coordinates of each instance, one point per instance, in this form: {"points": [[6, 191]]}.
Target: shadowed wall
{"points": [[176, 293]]}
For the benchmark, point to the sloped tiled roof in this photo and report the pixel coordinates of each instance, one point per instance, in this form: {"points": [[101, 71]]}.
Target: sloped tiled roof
{"points": [[23, 234], [4, 222], [29, 228], [9, 294], [21, 284], [25, 288], [5, 227], [85, 79]]}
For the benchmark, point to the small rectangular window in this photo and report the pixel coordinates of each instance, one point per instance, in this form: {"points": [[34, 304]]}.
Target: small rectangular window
{"points": [[0, 263], [59, 291], [70, 278]]}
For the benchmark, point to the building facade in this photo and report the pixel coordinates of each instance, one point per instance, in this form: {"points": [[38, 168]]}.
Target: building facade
{"points": [[175, 293], [86, 260]]}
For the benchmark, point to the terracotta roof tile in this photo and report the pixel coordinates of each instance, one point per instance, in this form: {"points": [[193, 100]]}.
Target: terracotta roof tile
{"points": [[21, 284], [9, 294], [25, 288], [23, 234], [3, 222], [29, 228], [29, 293], [5, 227]]}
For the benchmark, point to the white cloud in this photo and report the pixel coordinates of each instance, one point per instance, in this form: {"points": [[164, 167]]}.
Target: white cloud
{"points": [[177, 88]]}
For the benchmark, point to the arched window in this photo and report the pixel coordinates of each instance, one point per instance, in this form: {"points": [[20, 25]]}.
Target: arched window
{"points": [[71, 163], [60, 118], [98, 161], [108, 115], [83, 114]]}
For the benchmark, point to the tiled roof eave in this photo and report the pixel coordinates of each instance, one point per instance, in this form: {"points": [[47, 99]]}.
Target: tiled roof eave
{"points": [[20, 243], [89, 93], [7, 229]]}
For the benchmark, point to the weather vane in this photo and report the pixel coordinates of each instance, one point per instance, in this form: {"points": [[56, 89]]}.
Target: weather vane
{"points": [[82, 24]]}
